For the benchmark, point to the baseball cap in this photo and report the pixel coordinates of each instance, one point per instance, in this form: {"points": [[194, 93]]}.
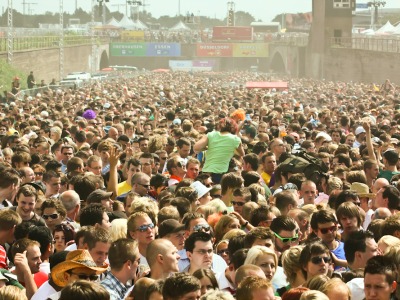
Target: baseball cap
{"points": [[169, 226], [359, 130], [97, 195]]}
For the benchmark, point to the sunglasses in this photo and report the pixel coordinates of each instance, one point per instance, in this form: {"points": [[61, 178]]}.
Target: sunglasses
{"points": [[143, 228], [39, 173], [316, 260], [52, 216], [147, 186], [222, 252], [287, 240], [86, 277], [201, 227], [238, 203], [329, 229], [290, 186]]}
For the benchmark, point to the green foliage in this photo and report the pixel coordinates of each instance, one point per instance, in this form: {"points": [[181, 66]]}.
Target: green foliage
{"points": [[7, 73]]}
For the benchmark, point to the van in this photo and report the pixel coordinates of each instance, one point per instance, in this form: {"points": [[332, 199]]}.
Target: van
{"points": [[79, 75]]}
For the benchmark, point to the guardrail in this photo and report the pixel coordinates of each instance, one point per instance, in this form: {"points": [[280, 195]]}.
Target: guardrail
{"points": [[391, 44], [43, 42]]}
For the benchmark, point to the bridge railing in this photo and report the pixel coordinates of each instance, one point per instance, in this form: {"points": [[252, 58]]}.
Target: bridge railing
{"points": [[42, 42], [391, 44]]}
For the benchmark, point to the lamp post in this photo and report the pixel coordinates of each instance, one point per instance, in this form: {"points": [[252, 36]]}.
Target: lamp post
{"points": [[375, 4]]}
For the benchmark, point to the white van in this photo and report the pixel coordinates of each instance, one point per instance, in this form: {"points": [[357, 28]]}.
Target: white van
{"points": [[79, 75]]}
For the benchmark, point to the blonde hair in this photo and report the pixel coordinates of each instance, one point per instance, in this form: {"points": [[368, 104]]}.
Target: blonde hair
{"points": [[313, 295], [256, 251], [11, 292], [390, 241], [317, 282], [233, 233], [335, 284], [218, 205], [119, 229], [291, 262]]}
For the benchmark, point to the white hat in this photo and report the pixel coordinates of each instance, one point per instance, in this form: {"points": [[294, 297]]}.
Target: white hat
{"points": [[200, 188], [325, 135], [44, 114], [359, 130], [107, 105], [177, 122]]}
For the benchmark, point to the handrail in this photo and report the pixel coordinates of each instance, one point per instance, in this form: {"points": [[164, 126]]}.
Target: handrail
{"points": [[391, 44], [43, 42]]}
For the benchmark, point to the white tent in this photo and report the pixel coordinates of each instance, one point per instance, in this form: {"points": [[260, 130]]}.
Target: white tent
{"points": [[386, 29], [139, 25], [113, 22], [126, 22], [397, 29], [180, 26]]}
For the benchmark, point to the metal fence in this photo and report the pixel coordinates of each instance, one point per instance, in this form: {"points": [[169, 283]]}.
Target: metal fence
{"points": [[391, 44], [43, 42]]}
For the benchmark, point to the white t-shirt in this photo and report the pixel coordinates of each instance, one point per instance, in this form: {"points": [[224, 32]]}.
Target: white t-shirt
{"points": [[44, 292]]}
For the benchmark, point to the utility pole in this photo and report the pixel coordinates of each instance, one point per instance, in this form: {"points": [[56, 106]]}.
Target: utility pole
{"points": [[29, 6], [118, 5], [10, 35], [61, 43], [93, 40]]}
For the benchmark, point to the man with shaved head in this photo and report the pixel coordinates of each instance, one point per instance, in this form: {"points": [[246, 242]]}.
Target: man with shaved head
{"points": [[163, 258]]}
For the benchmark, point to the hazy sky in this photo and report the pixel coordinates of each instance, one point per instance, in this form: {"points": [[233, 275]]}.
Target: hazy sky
{"points": [[260, 9]]}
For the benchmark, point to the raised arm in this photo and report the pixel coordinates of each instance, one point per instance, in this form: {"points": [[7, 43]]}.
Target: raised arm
{"points": [[201, 144]]}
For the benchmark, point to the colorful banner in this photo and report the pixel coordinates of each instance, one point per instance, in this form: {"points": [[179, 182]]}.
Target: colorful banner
{"points": [[181, 65], [250, 50], [128, 49], [163, 49], [214, 50], [132, 35], [204, 63]]}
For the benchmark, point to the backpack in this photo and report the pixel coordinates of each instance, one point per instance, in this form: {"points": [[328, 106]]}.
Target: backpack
{"points": [[301, 162]]}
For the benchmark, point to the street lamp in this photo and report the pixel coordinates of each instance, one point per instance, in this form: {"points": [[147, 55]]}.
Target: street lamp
{"points": [[375, 4]]}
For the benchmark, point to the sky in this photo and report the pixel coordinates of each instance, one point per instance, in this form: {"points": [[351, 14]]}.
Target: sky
{"points": [[264, 10]]}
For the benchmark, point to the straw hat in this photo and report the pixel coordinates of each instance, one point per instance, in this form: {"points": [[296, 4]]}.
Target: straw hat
{"points": [[75, 259], [361, 190]]}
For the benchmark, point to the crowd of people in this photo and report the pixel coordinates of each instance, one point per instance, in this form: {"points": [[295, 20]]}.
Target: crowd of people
{"points": [[182, 186]]}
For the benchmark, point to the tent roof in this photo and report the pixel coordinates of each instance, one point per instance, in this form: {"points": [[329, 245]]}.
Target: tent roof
{"points": [[180, 26], [387, 28], [126, 22], [113, 22], [139, 25]]}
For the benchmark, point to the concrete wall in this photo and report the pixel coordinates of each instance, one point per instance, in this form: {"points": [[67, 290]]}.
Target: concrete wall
{"points": [[361, 66], [45, 62]]}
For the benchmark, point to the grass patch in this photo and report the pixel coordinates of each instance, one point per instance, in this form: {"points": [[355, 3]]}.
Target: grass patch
{"points": [[7, 73]]}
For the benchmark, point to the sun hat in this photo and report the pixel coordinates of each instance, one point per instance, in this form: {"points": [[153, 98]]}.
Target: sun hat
{"points": [[75, 259], [361, 190], [200, 188]]}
